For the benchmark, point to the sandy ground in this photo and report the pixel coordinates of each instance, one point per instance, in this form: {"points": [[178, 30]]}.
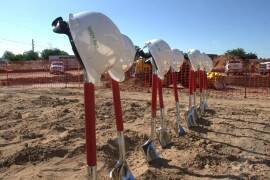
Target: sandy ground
{"points": [[42, 136]]}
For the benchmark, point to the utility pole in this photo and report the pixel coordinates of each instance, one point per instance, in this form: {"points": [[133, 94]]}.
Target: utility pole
{"points": [[33, 45]]}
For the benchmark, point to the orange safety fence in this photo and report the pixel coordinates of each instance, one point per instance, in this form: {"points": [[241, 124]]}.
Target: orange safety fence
{"points": [[220, 86], [37, 74]]}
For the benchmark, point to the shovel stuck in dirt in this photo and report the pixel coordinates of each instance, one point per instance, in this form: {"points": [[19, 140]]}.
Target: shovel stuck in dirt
{"points": [[148, 147], [196, 108], [207, 64], [160, 56], [190, 115], [162, 132], [120, 170], [205, 105], [202, 92], [178, 128], [77, 29], [61, 27]]}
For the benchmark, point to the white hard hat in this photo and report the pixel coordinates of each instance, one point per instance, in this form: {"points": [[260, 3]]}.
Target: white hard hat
{"points": [[178, 59], [162, 54], [98, 41], [208, 63], [194, 56], [117, 72]]}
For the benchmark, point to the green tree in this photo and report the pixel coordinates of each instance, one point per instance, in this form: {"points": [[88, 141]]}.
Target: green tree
{"points": [[8, 55], [240, 53], [30, 55], [251, 56], [52, 52], [237, 53], [18, 57], [27, 55]]}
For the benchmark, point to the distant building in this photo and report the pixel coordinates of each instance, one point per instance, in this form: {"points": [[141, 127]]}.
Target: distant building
{"points": [[70, 62], [60, 58]]}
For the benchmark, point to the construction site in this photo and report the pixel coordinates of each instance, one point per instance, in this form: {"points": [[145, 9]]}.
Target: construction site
{"points": [[42, 126], [177, 106]]}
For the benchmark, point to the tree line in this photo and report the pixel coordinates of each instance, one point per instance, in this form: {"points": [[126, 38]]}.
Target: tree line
{"points": [[31, 55], [241, 54]]}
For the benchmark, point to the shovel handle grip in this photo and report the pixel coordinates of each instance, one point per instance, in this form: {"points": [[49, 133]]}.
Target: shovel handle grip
{"points": [[90, 123], [154, 96], [117, 106], [160, 94], [175, 86]]}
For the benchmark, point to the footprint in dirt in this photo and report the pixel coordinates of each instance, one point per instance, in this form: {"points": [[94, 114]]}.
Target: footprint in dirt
{"points": [[8, 135], [33, 154], [46, 101], [202, 161]]}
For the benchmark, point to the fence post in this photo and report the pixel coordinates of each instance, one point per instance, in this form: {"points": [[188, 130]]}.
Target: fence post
{"points": [[245, 85], [7, 73], [268, 77]]}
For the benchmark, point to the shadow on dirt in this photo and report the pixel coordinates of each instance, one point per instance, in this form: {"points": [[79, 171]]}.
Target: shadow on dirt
{"points": [[234, 146], [164, 163]]}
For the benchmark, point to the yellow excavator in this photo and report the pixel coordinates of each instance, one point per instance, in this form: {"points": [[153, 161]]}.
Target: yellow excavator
{"points": [[216, 80]]}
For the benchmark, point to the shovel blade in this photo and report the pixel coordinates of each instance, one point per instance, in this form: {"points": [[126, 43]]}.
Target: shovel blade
{"points": [[121, 171], [179, 130], [194, 116], [149, 151], [163, 137], [205, 105], [189, 119], [198, 112], [202, 108]]}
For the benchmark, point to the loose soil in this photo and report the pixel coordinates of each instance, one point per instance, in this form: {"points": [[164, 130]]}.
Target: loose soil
{"points": [[42, 136]]}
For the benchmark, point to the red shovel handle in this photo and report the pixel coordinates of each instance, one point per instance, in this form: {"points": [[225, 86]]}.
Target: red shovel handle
{"points": [[201, 80], [117, 106], [160, 94], [205, 79], [90, 123], [175, 86], [195, 81], [190, 82], [154, 96]]}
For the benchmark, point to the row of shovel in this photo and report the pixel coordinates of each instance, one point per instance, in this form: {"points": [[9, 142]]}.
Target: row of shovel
{"points": [[101, 47]]}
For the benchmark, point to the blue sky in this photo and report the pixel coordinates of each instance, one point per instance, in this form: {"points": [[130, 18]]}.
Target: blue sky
{"points": [[212, 26]]}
